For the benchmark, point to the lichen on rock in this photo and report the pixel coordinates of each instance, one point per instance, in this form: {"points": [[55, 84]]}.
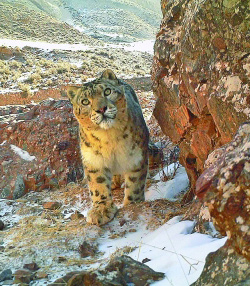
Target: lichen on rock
{"points": [[201, 76], [225, 185], [225, 267]]}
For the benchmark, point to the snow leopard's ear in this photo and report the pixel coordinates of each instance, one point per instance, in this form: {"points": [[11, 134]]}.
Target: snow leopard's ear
{"points": [[72, 92], [109, 74]]}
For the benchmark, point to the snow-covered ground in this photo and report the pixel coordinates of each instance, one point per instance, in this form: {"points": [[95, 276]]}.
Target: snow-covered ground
{"points": [[22, 153], [140, 46], [173, 248], [171, 188]]}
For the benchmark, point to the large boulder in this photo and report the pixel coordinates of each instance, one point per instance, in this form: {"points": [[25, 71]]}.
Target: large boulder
{"points": [[201, 77], [39, 147], [7, 53], [225, 267], [120, 271], [225, 189], [225, 186]]}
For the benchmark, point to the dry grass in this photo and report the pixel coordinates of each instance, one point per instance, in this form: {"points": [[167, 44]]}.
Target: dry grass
{"points": [[21, 23], [36, 70]]}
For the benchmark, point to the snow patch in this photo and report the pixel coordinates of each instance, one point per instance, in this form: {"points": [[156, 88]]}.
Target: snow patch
{"points": [[3, 143], [22, 153], [140, 46], [170, 189], [43, 45], [172, 249], [146, 46], [232, 84]]}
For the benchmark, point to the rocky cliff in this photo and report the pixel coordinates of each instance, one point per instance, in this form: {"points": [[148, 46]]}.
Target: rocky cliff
{"points": [[224, 186], [201, 75]]}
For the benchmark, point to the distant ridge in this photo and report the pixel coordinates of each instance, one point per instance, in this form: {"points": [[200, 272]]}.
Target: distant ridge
{"points": [[23, 20], [77, 21]]}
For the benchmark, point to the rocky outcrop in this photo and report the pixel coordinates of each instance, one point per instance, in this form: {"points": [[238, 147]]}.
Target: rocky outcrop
{"points": [[201, 73], [225, 267], [7, 53], [226, 186], [39, 147], [120, 271], [26, 97]]}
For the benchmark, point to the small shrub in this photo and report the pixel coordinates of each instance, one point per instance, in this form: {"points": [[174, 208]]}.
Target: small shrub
{"points": [[63, 67], [34, 78], [49, 82], [5, 70], [16, 75], [15, 64], [26, 92]]}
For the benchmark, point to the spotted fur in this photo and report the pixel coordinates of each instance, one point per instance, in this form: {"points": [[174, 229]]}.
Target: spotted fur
{"points": [[113, 140]]}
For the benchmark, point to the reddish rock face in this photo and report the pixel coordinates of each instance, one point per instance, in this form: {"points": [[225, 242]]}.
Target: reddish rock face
{"points": [[225, 264], [201, 77], [225, 186], [7, 53], [49, 133], [14, 98]]}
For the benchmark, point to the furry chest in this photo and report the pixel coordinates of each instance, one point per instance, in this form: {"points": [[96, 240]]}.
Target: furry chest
{"points": [[117, 154]]}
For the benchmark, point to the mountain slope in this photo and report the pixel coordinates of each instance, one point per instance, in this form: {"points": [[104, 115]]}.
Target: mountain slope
{"points": [[28, 20], [123, 20], [71, 20]]}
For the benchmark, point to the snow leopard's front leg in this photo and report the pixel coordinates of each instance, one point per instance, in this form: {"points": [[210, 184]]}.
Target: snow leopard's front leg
{"points": [[103, 209], [135, 182]]}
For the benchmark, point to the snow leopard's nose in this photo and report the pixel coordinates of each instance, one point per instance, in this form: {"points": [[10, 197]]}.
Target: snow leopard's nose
{"points": [[102, 110]]}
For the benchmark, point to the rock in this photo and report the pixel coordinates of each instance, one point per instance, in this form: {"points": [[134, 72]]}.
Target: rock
{"points": [[1, 225], [52, 205], [31, 266], [201, 77], [92, 278], [86, 249], [41, 275], [225, 187], [134, 271], [14, 98], [23, 276], [48, 131], [145, 260], [61, 259], [120, 271], [76, 215], [62, 281], [122, 221], [7, 53], [6, 193], [6, 275], [19, 190], [225, 266]]}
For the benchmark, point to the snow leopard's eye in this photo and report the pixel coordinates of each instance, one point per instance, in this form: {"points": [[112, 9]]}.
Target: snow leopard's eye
{"points": [[107, 91], [85, 101]]}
